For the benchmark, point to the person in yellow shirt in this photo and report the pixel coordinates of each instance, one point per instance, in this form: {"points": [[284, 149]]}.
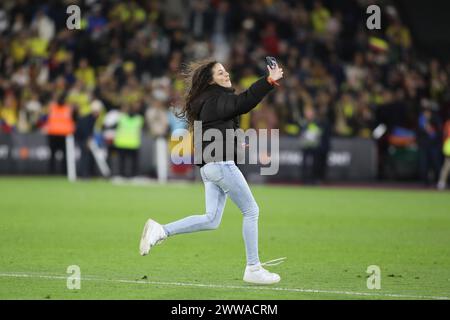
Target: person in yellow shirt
{"points": [[398, 34], [85, 74], [132, 91], [319, 17], [8, 112], [17, 48], [345, 111], [79, 98], [37, 47], [138, 14]]}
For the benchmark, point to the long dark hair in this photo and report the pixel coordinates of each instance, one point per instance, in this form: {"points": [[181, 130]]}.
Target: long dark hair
{"points": [[197, 77]]}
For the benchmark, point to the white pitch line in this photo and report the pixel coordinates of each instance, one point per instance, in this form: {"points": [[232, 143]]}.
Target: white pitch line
{"points": [[216, 286]]}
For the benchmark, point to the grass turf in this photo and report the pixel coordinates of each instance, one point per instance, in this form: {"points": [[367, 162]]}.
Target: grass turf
{"points": [[329, 236]]}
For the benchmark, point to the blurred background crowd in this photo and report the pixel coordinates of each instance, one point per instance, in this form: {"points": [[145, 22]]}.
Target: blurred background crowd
{"points": [[341, 79]]}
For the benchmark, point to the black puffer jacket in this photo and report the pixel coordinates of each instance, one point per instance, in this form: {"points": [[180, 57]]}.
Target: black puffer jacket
{"points": [[219, 108]]}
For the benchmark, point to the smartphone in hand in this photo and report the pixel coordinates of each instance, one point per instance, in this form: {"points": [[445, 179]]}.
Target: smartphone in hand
{"points": [[271, 62]]}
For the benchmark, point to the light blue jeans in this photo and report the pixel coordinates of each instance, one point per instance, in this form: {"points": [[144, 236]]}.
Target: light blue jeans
{"points": [[222, 179]]}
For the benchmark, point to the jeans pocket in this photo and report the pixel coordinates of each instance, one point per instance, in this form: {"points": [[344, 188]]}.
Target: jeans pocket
{"points": [[213, 172]]}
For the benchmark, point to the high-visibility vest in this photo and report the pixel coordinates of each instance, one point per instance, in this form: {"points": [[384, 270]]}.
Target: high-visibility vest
{"points": [[60, 122], [446, 146], [128, 132]]}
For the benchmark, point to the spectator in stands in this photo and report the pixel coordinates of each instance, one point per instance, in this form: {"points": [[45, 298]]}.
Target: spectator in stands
{"points": [[79, 97], [364, 118], [122, 47], [8, 112], [356, 72], [345, 115], [31, 113], [85, 74], [156, 118], [320, 17], [400, 39], [44, 26]]}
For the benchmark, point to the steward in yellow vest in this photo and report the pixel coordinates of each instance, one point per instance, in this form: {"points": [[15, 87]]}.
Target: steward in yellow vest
{"points": [[128, 141]]}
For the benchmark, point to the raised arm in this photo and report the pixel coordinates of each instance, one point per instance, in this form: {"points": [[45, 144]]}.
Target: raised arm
{"points": [[231, 105]]}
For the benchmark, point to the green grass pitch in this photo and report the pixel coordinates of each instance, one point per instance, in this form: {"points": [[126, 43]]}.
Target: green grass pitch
{"points": [[329, 236]]}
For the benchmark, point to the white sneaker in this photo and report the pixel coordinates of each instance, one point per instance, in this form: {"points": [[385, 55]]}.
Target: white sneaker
{"points": [[153, 234], [257, 274], [441, 185]]}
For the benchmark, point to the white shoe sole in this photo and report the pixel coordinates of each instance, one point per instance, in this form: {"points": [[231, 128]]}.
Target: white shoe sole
{"points": [[262, 282], [144, 246]]}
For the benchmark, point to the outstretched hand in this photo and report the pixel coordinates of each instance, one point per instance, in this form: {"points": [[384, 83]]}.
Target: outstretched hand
{"points": [[275, 73]]}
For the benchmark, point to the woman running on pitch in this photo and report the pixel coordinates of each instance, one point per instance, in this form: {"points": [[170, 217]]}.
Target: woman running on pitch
{"points": [[211, 100]]}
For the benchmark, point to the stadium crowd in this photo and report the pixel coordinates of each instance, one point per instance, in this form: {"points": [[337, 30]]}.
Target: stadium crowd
{"points": [[341, 78]]}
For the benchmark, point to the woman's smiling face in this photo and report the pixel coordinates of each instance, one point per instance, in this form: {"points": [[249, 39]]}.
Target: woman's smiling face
{"points": [[221, 76]]}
